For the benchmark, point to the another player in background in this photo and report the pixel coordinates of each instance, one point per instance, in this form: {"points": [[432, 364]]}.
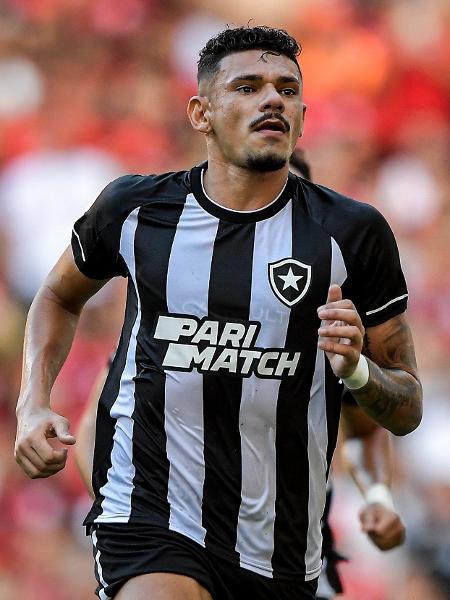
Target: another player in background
{"points": [[369, 462], [251, 294]]}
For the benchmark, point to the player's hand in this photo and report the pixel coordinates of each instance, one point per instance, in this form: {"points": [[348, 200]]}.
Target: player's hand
{"points": [[382, 525], [341, 332], [33, 452]]}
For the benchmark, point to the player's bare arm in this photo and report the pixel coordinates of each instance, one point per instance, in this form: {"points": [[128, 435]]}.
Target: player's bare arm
{"points": [[366, 447], [392, 395], [51, 325], [394, 392], [367, 451]]}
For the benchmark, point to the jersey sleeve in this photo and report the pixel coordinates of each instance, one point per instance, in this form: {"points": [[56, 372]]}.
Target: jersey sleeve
{"points": [[378, 285], [96, 235]]}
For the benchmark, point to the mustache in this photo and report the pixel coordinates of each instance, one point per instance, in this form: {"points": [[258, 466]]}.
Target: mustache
{"points": [[267, 116]]}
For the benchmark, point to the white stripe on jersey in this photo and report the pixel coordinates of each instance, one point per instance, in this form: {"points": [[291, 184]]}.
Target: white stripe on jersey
{"points": [[338, 268], [187, 293], [317, 455], [255, 530], [118, 488], [318, 439]]}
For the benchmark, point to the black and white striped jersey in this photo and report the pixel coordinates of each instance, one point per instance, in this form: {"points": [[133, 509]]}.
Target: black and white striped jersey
{"points": [[219, 416]]}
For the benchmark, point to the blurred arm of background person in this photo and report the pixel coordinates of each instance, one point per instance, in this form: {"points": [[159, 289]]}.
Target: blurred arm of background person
{"points": [[51, 325], [367, 452], [84, 450]]}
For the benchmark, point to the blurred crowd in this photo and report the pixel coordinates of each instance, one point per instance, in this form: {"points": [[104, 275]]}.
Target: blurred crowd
{"points": [[91, 89]]}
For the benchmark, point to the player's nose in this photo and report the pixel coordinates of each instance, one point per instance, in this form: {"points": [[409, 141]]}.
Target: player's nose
{"points": [[271, 100]]}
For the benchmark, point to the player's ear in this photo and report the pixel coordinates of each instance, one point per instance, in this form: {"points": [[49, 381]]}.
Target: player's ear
{"points": [[199, 114]]}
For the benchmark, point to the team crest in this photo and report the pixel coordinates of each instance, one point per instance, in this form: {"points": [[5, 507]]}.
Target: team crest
{"points": [[290, 280]]}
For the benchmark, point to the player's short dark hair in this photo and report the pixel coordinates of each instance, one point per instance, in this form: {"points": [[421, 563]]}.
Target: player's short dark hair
{"points": [[239, 39]]}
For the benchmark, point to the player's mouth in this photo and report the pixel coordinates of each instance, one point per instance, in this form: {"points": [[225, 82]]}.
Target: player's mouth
{"points": [[272, 127]]}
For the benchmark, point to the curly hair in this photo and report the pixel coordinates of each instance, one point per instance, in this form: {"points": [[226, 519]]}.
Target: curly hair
{"points": [[239, 39]]}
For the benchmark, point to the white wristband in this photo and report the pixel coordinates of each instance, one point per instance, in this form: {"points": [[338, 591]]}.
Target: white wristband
{"points": [[360, 375], [381, 494]]}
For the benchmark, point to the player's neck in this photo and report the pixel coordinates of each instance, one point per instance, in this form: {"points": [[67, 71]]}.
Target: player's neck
{"points": [[240, 189]]}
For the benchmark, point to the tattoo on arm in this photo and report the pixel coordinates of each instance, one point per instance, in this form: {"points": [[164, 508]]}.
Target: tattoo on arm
{"points": [[393, 395], [388, 394], [366, 346]]}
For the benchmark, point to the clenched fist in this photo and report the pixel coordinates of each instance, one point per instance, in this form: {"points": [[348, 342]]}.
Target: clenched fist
{"points": [[383, 526], [32, 451]]}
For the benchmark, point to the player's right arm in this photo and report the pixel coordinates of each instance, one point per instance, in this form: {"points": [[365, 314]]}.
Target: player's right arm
{"points": [[50, 329]]}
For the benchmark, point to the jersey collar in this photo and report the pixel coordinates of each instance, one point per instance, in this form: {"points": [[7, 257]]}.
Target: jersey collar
{"points": [[237, 216]]}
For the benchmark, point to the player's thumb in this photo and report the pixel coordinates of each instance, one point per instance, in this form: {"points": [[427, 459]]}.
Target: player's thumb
{"points": [[334, 293], [61, 427]]}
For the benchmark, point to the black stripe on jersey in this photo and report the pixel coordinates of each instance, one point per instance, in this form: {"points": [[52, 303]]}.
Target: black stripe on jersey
{"points": [[291, 508], [229, 298], [105, 424], [154, 238]]}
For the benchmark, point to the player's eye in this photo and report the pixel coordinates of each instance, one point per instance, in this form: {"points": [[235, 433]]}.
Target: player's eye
{"points": [[245, 89], [289, 91]]}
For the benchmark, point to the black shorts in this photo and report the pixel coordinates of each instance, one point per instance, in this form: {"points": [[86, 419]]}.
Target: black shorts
{"points": [[123, 551]]}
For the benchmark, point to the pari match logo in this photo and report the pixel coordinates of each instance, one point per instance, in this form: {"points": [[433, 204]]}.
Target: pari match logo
{"points": [[209, 345]]}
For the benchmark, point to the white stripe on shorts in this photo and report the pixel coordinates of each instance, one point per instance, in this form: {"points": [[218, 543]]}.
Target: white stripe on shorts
{"points": [[102, 593]]}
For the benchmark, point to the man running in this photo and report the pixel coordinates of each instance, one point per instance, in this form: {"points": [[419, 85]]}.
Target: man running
{"points": [[251, 296]]}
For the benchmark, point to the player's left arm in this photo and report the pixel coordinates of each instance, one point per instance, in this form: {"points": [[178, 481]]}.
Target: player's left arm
{"points": [[368, 456], [390, 391]]}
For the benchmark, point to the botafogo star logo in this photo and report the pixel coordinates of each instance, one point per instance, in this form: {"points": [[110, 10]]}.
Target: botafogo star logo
{"points": [[289, 279]]}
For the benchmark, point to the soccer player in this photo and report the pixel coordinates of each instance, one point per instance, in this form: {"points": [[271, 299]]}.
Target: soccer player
{"points": [[251, 294], [370, 465]]}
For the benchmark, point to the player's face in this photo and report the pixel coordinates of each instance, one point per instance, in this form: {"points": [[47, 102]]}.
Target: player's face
{"points": [[256, 109]]}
